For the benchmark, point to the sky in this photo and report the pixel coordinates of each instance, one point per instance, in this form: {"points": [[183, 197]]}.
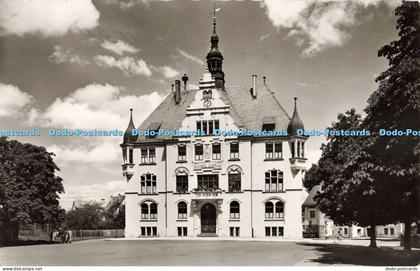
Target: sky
{"points": [[82, 64]]}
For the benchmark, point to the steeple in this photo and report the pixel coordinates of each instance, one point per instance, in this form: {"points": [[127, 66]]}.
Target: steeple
{"points": [[128, 137], [295, 123], [215, 57]]}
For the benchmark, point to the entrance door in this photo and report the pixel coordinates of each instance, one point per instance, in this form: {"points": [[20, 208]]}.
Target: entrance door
{"points": [[208, 218]]}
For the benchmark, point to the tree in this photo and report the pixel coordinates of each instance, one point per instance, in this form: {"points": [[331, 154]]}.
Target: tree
{"points": [[395, 105], [29, 188], [114, 214], [350, 193], [89, 216]]}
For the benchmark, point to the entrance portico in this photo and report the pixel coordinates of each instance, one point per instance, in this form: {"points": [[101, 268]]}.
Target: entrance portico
{"points": [[207, 217]]}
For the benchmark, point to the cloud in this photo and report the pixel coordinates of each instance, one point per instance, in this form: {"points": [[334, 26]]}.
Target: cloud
{"points": [[317, 25], [97, 106], [61, 55], [119, 47], [101, 152], [187, 56], [12, 100], [313, 157], [48, 17], [128, 65], [166, 71]]}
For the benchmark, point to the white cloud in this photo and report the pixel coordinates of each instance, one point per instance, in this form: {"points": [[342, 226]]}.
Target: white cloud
{"points": [[128, 65], [101, 152], [61, 55], [119, 47], [189, 57], [48, 17], [166, 71], [313, 157], [12, 100], [97, 106], [317, 24]]}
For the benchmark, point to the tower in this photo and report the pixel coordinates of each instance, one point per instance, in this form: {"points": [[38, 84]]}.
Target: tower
{"points": [[215, 57]]}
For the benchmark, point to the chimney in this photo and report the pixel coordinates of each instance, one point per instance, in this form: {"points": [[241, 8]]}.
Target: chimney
{"points": [[185, 80], [254, 86], [177, 94]]}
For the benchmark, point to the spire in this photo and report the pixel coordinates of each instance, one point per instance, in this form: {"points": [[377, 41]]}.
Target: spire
{"points": [[215, 57], [295, 123], [128, 137]]}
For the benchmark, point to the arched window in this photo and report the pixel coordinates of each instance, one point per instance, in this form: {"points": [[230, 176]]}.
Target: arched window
{"points": [[148, 183], [274, 180], [269, 210], [182, 210], [279, 209], [234, 181], [153, 211], [234, 210], [144, 211]]}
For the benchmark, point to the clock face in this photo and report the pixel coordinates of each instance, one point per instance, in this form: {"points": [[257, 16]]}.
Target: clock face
{"points": [[207, 103]]}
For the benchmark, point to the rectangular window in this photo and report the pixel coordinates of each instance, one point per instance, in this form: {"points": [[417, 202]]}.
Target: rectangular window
{"points": [[149, 231], [386, 231], [234, 150], [185, 231], [182, 184], [216, 151], [208, 182], [198, 125], [273, 231], [206, 132], [179, 231], [391, 231], [269, 150], [345, 231], [182, 231], [152, 155], [234, 231], [281, 231], [234, 182], [292, 147], [143, 156], [130, 156], [278, 150], [311, 214], [154, 231], [198, 152], [182, 153], [216, 124], [143, 231], [267, 231]]}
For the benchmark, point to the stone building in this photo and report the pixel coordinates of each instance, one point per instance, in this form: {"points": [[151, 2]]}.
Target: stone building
{"points": [[208, 184]]}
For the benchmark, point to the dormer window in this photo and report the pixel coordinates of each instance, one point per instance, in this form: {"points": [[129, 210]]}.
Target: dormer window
{"points": [[269, 124], [207, 94], [208, 126]]}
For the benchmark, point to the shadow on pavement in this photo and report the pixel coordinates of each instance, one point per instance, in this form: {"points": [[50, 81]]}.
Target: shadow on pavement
{"points": [[26, 243], [361, 255]]}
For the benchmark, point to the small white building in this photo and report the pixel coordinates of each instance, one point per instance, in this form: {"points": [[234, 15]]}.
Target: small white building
{"points": [[212, 184]]}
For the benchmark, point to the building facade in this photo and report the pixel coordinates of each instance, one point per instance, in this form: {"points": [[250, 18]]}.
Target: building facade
{"points": [[213, 184]]}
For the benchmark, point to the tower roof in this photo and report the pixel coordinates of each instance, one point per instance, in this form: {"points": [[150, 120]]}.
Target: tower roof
{"points": [[295, 123], [128, 137]]}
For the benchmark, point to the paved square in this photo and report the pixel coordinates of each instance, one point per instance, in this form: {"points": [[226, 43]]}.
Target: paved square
{"points": [[197, 252]]}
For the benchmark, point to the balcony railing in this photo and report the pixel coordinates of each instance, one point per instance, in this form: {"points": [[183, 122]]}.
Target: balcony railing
{"points": [[128, 169], [209, 193]]}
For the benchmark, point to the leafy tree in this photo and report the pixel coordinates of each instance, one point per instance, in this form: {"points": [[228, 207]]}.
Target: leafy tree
{"points": [[89, 216], [395, 105], [29, 188], [350, 194], [115, 215]]}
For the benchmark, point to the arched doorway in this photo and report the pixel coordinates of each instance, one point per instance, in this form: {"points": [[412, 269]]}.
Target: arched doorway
{"points": [[208, 218]]}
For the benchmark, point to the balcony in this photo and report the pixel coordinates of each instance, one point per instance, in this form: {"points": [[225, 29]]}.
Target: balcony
{"points": [[206, 194], [297, 164], [128, 170]]}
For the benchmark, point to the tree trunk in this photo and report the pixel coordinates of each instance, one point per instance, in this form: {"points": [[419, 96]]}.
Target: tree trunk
{"points": [[373, 235], [407, 235]]}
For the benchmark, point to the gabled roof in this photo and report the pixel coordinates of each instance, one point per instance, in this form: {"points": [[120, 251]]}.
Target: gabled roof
{"points": [[247, 112], [310, 202]]}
